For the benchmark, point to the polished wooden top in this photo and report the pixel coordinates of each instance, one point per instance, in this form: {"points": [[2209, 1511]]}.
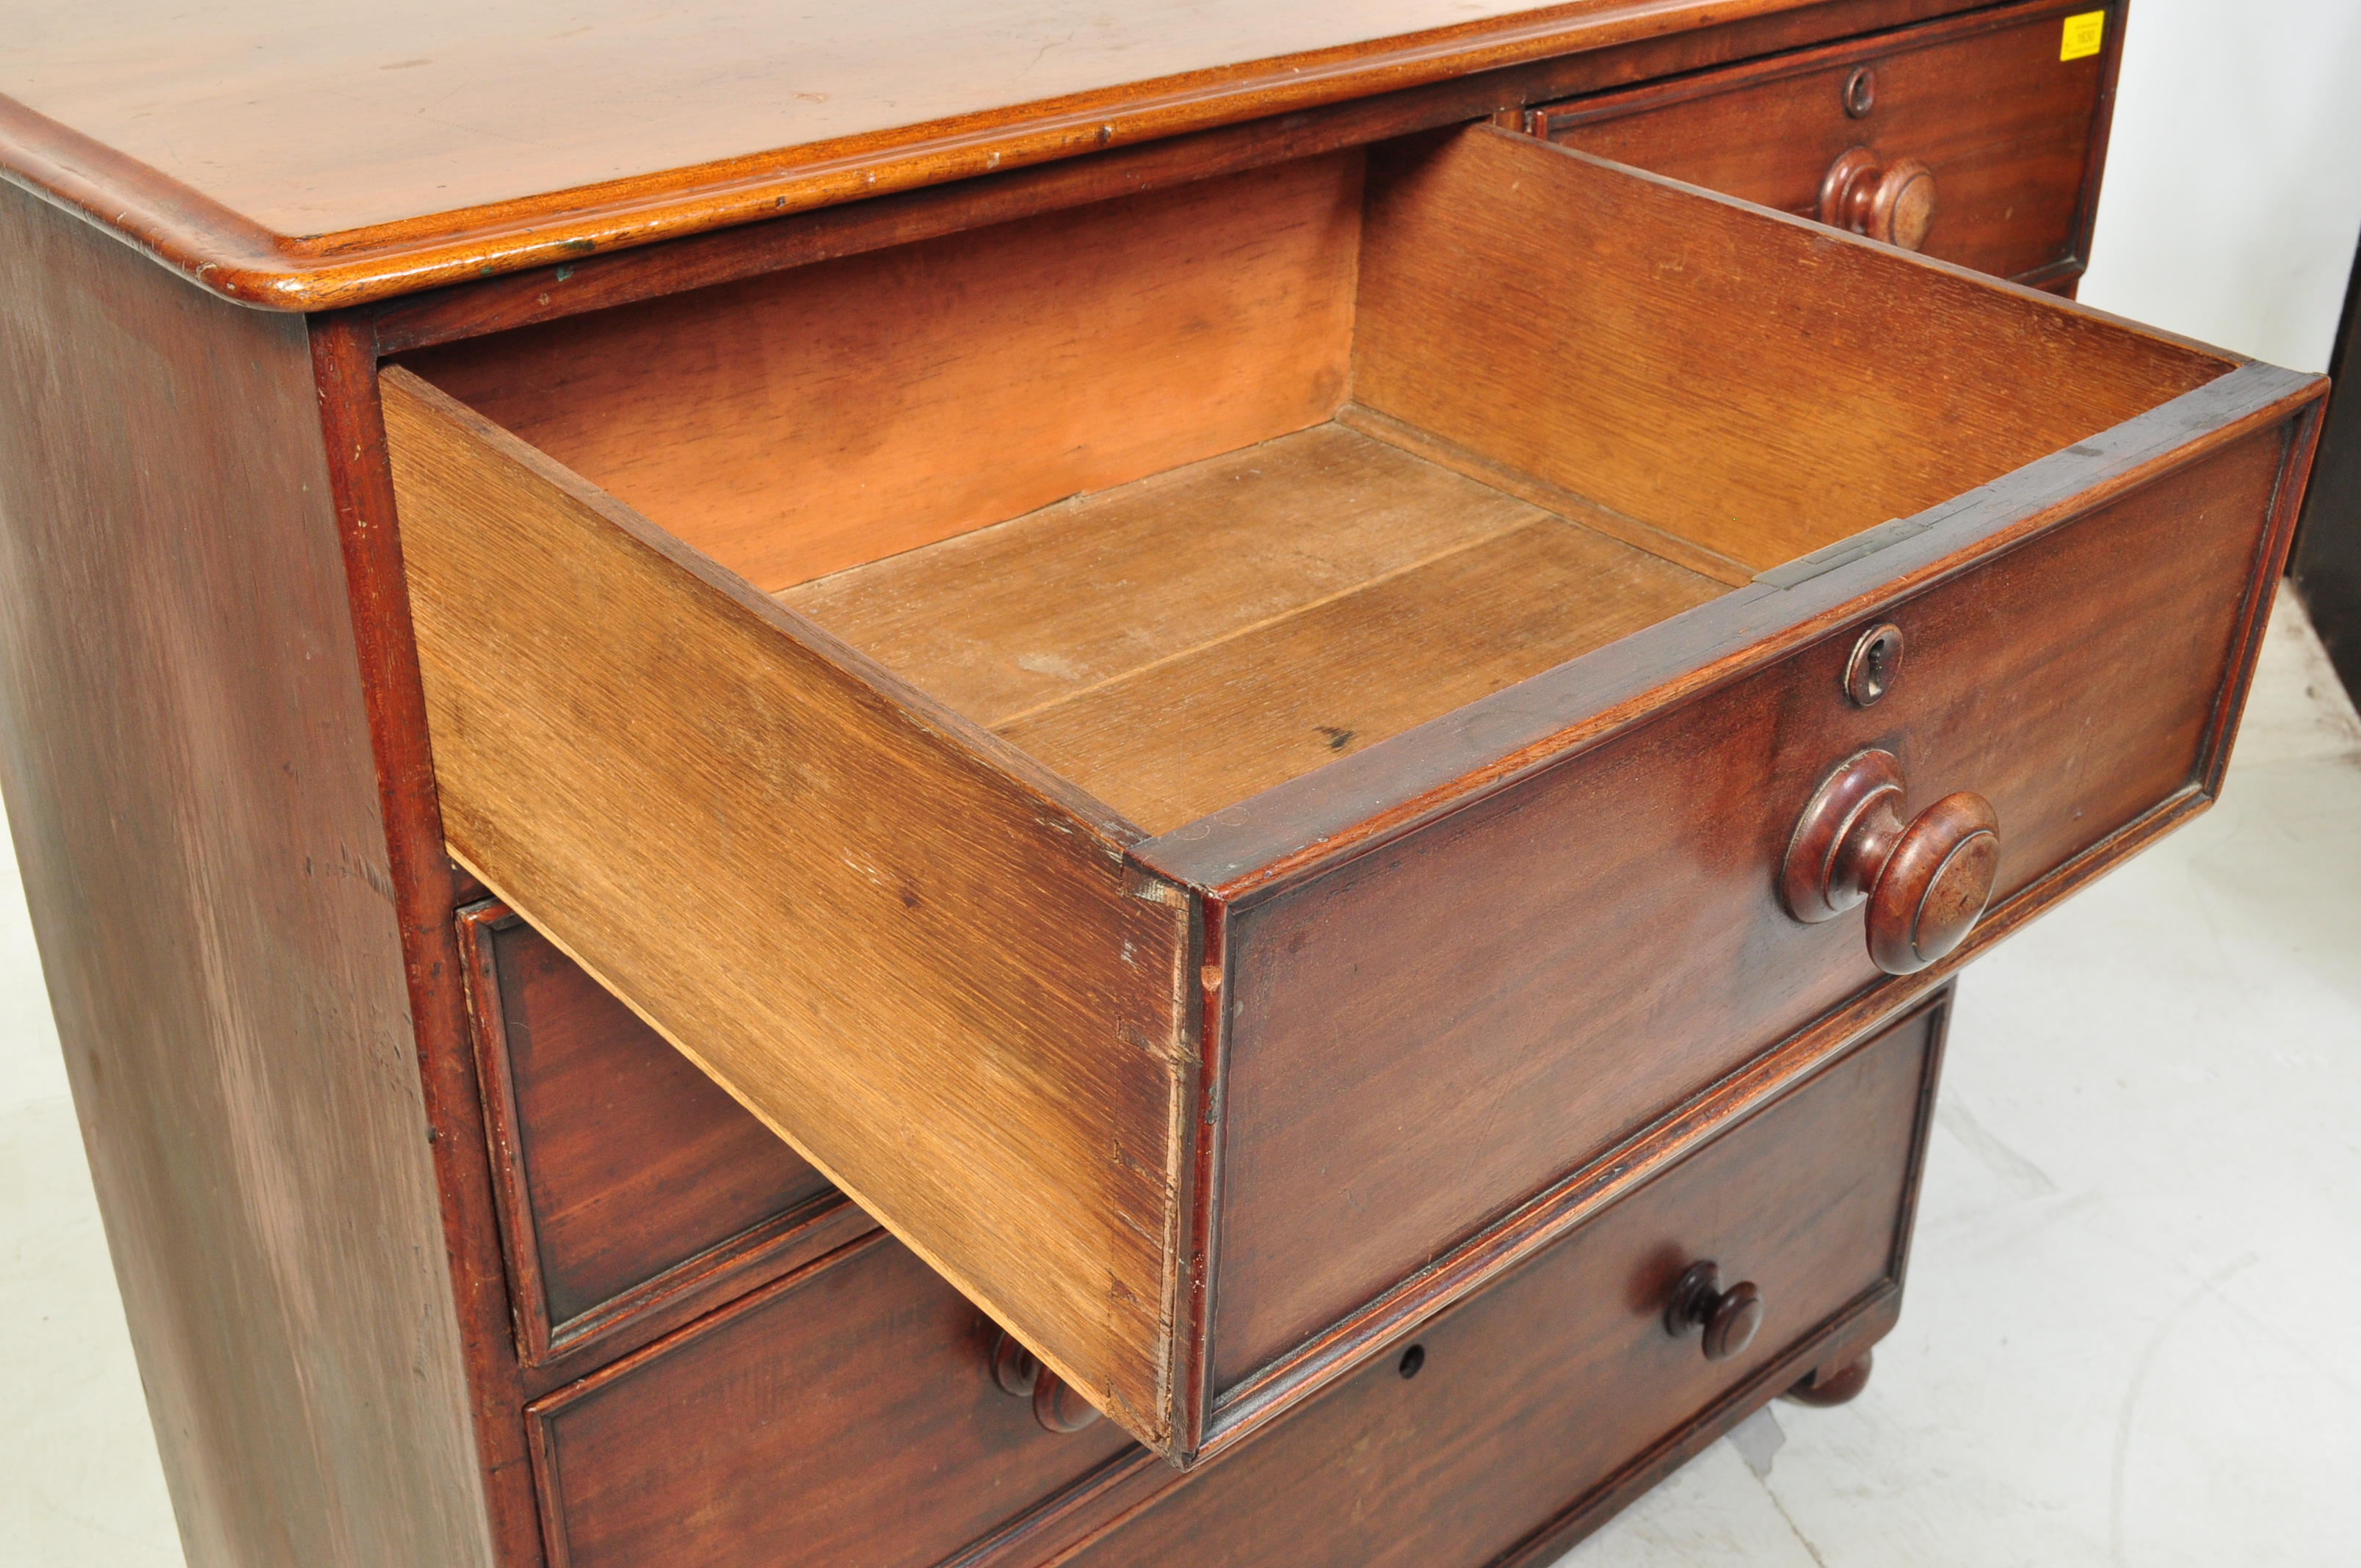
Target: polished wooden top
{"points": [[328, 153]]}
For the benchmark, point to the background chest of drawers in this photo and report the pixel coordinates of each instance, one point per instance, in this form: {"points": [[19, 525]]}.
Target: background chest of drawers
{"points": [[1274, 709]]}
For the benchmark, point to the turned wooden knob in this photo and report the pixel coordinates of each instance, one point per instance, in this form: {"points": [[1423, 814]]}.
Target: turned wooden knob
{"points": [[1729, 1317], [1926, 881], [1890, 201], [1055, 1404], [1058, 1408]]}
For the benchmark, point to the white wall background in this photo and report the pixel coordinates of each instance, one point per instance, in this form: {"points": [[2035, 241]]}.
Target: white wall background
{"points": [[2233, 192], [30, 1066]]}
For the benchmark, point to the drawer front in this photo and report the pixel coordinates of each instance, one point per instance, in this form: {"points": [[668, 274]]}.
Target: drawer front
{"points": [[2012, 136], [1539, 1405], [634, 1191], [1439, 1027], [846, 1417]]}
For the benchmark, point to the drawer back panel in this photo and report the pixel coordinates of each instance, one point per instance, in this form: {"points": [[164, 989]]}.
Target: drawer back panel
{"points": [[797, 423]]}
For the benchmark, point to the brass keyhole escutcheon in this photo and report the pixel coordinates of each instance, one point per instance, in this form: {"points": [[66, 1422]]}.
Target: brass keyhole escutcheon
{"points": [[1876, 660], [1861, 92]]}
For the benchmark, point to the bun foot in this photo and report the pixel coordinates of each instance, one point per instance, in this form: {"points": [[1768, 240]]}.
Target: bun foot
{"points": [[1833, 1385]]}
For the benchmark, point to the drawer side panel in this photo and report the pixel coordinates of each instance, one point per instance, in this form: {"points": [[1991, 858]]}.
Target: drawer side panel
{"points": [[926, 975]]}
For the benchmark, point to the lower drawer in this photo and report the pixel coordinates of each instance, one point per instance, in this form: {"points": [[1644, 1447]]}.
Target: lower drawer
{"points": [[852, 1410], [1523, 1418], [844, 1417], [634, 1193]]}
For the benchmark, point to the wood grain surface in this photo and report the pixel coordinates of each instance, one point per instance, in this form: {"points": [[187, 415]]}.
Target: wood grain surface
{"points": [[186, 747], [1152, 711], [1550, 498], [711, 805], [1368, 804], [1496, 1444], [849, 1411], [307, 157], [1369, 798], [2005, 125], [1881, 385], [940, 962], [627, 269], [426, 887], [810, 420]]}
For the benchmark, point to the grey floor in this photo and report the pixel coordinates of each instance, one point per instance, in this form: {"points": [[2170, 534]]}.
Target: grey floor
{"points": [[2126, 1339]]}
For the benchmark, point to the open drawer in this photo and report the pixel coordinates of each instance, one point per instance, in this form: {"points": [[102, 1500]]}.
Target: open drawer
{"points": [[1227, 760]]}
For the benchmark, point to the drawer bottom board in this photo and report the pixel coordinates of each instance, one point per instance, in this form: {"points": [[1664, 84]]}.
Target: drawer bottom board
{"points": [[1304, 598]]}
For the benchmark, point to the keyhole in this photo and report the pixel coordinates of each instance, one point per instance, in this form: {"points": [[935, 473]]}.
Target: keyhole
{"points": [[1861, 92], [1876, 660], [1412, 1359]]}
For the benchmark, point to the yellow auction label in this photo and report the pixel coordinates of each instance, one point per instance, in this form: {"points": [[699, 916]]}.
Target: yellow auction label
{"points": [[2082, 35]]}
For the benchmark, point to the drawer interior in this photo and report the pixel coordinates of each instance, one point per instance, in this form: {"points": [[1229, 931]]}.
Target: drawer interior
{"points": [[1188, 493]]}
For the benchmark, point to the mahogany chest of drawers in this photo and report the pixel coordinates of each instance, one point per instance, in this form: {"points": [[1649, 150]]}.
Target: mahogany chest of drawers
{"points": [[1089, 816]]}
